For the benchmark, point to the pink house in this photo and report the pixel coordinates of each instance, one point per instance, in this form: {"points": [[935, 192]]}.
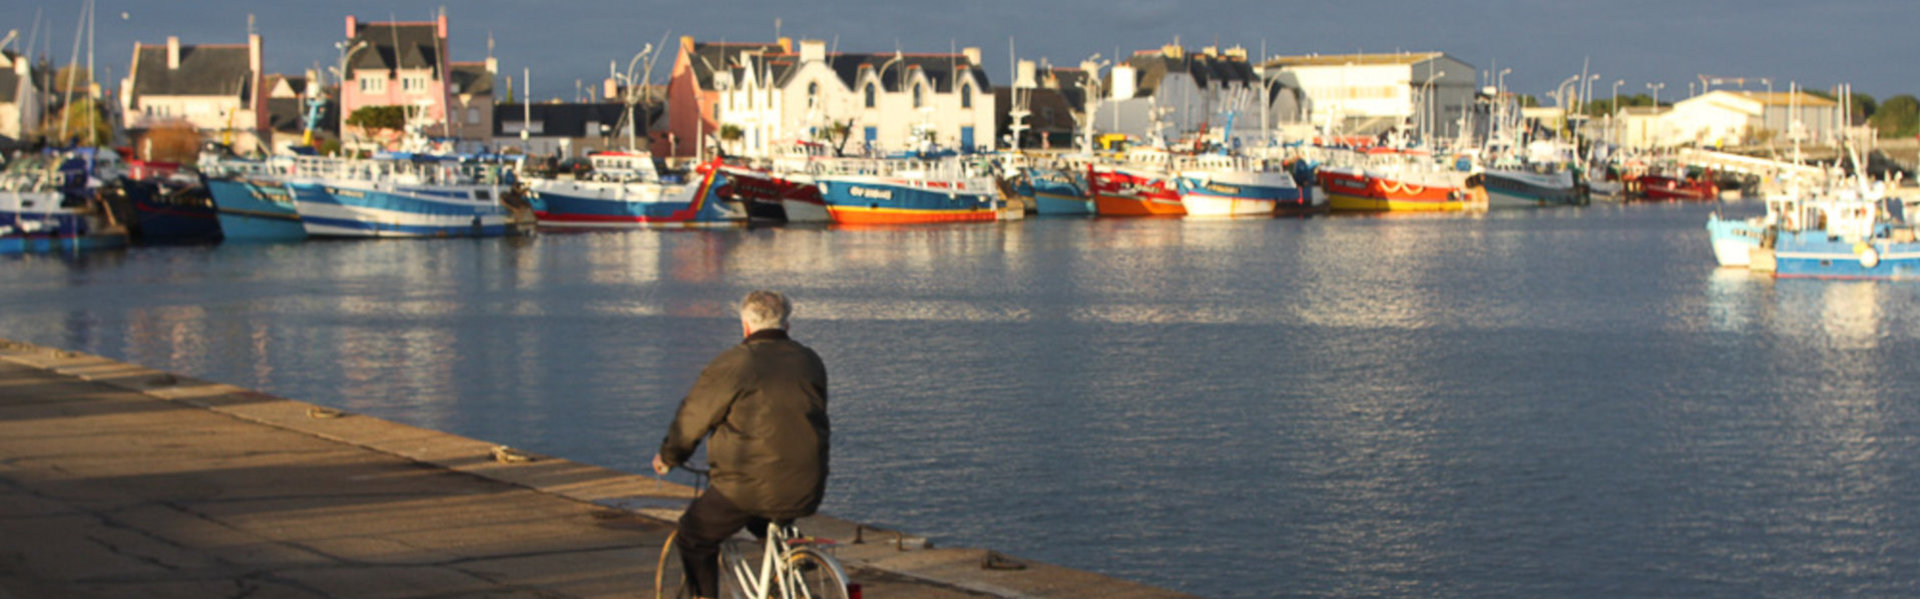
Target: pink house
{"points": [[396, 64]]}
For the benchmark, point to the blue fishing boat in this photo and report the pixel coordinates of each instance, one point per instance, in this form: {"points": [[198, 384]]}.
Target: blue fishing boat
{"points": [[403, 195], [251, 199], [906, 191], [1855, 233], [625, 190], [1056, 191]]}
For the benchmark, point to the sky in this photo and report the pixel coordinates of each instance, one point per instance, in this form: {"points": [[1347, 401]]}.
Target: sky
{"points": [[1874, 45]]}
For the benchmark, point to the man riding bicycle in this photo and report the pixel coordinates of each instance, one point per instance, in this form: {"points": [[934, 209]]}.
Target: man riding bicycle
{"points": [[764, 402]]}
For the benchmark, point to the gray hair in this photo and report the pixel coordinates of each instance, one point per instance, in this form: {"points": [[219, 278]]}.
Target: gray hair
{"points": [[765, 310]]}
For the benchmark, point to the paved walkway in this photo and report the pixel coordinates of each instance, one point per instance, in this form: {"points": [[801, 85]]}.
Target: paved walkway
{"points": [[119, 481]]}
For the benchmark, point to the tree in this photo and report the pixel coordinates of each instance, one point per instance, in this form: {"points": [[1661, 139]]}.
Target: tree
{"points": [[379, 117], [75, 120], [731, 133], [837, 132], [1899, 116]]}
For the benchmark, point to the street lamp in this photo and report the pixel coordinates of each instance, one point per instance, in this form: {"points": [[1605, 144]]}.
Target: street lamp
{"points": [[1426, 95], [1656, 93], [1090, 84], [346, 51], [1616, 95], [629, 95]]}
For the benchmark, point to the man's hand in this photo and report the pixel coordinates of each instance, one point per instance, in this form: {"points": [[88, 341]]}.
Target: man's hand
{"points": [[660, 466]]}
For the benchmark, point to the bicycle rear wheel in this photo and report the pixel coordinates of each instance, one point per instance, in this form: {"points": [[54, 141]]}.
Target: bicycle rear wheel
{"points": [[670, 575], [816, 575]]}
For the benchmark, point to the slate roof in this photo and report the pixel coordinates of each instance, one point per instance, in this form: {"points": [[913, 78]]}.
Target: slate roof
{"points": [[286, 115], [706, 58], [470, 78], [570, 120], [943, 71], [396, 46], [205, 70], [10, 81], [1150, 68]]}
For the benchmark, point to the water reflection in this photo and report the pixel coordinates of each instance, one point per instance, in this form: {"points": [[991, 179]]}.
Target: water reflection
{"points": [[1541, 403]]}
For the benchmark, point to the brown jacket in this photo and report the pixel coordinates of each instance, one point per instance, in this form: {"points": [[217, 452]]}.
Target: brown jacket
{"points": [[764, 402]]}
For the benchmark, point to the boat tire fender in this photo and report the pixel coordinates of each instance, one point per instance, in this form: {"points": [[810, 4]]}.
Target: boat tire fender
{"points": [[1869, 258]]}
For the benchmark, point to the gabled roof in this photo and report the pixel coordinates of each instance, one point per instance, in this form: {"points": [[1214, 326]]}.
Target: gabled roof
{"points": [[1323, 60], [205, 70], [570, 120], [1153, 66], [392, 46], [707, 58], [295, 86], [942, 71], [470, 78], [10, 80]]}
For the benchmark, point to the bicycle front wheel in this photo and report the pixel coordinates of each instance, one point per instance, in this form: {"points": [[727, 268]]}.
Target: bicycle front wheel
{"points": [[815, 575], [670, 574]]}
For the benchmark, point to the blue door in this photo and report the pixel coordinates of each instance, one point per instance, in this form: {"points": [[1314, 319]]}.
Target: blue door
{"points": [[966, 139]]}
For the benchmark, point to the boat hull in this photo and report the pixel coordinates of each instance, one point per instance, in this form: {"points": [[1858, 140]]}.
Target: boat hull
{"points": [[1518, 189], [1734, 240], [1812, 254], [633, 204], [255, 210], [1362, 192], [173, 215], [1122, 192], [357, 209], [866, 200]]}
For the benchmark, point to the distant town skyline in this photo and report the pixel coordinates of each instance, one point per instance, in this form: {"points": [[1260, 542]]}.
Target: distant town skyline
{"points": [[1868, 44]]}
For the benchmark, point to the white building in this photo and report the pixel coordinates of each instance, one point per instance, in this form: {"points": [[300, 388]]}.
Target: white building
{"points": [[1181, 93], [21, 101], [887, 102], [1739, 117], [219, 89], [1364, 94]]}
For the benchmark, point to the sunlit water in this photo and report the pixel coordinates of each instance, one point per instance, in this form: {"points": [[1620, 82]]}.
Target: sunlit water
{"points": [[1555, 403]]}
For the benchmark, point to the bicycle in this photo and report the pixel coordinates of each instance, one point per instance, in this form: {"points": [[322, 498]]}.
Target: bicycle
{"points": [[792, 566]]}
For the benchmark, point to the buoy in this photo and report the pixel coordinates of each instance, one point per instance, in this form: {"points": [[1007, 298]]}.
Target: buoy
{"points": [[1869, 258]]}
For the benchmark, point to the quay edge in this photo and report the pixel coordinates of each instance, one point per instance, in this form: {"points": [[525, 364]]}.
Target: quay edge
{"points": [[608, 561]]}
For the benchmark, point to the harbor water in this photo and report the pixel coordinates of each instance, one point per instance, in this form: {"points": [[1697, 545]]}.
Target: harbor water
{"points": [[1539, 403]]}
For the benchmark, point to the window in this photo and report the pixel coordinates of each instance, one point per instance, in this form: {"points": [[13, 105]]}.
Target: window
{"points": [[813, 94], [373, 85], [917, 99], [966, 96], [870, 95], [473, 116]]}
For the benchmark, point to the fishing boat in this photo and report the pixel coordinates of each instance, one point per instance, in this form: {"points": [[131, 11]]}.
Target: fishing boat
{"points": [[1388, 180], [1673, 185], [628, 190], [1056, 191], [48, 204], [1220, 185], [402, 195], [170, 205], [1531, 184], [906, 191], [251, 198], [1854, 233]]}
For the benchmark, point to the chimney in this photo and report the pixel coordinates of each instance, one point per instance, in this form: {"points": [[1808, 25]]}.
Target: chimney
{"points": [[493, 65], [812, 51], [353, 27], [973, 56], [1023, 75], [173, 52], [786, 45], [610, 89], [253, 53], [440, 24]]}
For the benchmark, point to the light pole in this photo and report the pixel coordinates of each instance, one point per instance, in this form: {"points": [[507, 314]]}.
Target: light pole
{"points": [[629, 95], [1090, 83], [1656, 93], [1616, 96], [1766, 122], [1426, 95], [346, 51]]}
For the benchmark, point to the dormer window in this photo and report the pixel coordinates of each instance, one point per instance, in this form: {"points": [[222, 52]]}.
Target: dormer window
{"points": [[966, 96], [918, 97], [870, 95], [813, 94]]}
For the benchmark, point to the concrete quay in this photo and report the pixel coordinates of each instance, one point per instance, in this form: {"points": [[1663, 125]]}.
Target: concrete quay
{"points": [[121, 481]]}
